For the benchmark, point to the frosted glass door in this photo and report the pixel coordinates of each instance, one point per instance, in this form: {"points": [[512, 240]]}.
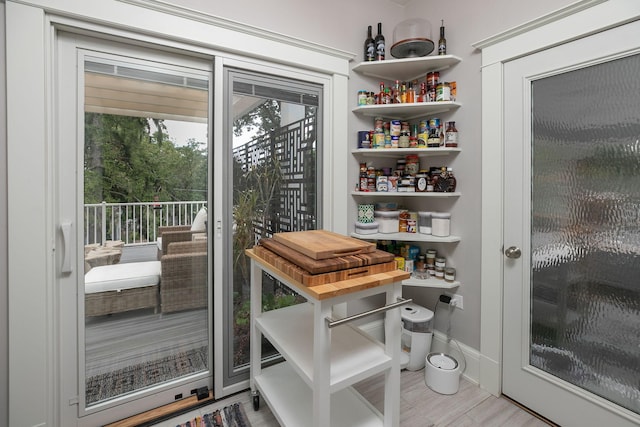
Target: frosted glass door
{"points": [[572, 299]]}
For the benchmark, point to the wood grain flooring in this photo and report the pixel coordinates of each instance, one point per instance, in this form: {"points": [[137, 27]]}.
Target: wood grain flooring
{"points": [[471, 406]]}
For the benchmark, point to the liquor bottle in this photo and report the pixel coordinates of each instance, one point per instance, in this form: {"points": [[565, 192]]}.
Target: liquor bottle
{"points": [[379, 42], [442, 43], [369, 47], [396, 92]]}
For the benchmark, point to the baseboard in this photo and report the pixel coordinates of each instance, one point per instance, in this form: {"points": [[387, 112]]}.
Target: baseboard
{"points": [[439, 344]]}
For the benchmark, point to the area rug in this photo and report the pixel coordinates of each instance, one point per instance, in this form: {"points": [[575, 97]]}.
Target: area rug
{"points": [[136, 377], [229, 416]]}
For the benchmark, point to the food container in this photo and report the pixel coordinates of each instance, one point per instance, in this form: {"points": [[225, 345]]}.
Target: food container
{"points": [[440, 224], [365, 213], [366, 227], [424, 222], [388, 221]]}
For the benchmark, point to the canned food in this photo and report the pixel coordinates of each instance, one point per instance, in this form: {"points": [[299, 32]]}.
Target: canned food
{"points": [[443, 92], [395, 128]]}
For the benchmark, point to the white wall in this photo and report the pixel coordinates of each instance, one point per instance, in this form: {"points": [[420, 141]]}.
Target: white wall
{"points": [[342, 25], [4, 318]]}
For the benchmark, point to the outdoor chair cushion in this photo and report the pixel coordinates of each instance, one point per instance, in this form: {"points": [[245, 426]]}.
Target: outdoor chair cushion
{"points": [[122, 276], [199, 222]]}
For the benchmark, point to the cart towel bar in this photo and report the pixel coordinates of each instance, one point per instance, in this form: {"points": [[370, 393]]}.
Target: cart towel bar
{"points": [[333, 323]]}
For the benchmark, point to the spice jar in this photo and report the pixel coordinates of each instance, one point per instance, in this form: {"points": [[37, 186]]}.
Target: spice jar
{"points": [[431, 257], [422, 181], [441, 262], [439, 273], [450, 274]]}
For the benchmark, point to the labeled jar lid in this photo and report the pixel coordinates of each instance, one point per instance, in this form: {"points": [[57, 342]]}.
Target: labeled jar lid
{"points": [[387, 214], [441, 215]]}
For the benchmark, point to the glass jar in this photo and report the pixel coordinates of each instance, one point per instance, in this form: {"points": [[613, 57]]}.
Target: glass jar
{"points": [[440, 262], [450, 274], [431, 257], [422, 181], [439, 273]]}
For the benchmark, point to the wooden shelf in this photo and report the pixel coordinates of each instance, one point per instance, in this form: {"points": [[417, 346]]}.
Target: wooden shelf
{"points": [[407, 237], [407, 68], [399, 152], [290, 400], [433, 194], [354, 356], [430, 283], [406, 111]]}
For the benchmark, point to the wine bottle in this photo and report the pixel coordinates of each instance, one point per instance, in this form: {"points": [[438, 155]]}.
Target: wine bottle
{"points": [[379, 42], [442, 43], [369, 47]]}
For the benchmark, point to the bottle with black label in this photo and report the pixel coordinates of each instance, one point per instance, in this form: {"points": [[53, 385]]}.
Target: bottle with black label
{"points": [[369, 47], [379, 42], [442, 43]]}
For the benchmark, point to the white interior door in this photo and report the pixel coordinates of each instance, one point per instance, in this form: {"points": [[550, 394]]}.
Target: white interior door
{"points": [[571, 233]]}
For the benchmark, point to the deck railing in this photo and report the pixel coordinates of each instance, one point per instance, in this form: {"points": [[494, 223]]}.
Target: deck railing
{"points": [[135, 223]]}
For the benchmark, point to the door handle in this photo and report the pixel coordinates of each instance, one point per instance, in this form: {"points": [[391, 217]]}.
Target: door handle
{"points": [[65, 227], [513, 252]]}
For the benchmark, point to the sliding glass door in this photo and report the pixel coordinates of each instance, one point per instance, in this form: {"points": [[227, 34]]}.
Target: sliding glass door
{"points": [[273, 137], [134, 196]]}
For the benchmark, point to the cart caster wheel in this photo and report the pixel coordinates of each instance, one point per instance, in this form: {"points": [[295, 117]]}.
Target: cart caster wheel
{"points": [[256, 402]]}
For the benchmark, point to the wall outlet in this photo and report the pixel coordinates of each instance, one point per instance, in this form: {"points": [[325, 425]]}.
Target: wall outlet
{"points": [[456, 300]]}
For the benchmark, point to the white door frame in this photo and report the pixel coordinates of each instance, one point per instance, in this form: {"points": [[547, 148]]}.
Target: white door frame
{"points": [[572, 22]]}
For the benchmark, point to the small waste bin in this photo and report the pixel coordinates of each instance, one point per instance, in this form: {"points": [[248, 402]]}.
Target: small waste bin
{"points": [[417, 331]]}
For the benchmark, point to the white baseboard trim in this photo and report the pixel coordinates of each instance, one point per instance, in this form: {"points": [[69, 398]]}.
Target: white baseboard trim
{"points": [[438, 344]]}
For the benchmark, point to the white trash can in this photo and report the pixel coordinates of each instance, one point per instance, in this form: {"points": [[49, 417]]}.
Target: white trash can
{"points": [[417, 331]]}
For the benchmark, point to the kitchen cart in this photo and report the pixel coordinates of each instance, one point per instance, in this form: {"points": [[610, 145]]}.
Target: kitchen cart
{"points": [[324, 358]]}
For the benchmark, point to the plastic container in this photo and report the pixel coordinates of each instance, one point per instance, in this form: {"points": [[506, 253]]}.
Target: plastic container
{"points": [[440, 224], [388, 221], [366, 227], [424, 222], [412, 38]]}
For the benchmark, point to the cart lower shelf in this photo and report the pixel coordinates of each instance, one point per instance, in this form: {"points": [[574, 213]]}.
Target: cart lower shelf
{"points": [[291, 401]]}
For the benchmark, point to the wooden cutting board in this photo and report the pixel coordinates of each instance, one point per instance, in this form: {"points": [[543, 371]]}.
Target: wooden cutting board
{"points": [[307, 279], [315, 266], [323, 244]]}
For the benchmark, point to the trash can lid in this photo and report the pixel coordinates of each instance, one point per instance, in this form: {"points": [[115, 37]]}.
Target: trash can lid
{"points": [[415, 313]]}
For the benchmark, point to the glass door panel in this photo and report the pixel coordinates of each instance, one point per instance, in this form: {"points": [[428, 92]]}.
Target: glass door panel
{"points": [[585, 229], [273, 187], [145, 197]]}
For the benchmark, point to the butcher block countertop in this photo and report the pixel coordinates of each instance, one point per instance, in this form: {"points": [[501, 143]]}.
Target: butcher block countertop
{"points": [[330, 290]]}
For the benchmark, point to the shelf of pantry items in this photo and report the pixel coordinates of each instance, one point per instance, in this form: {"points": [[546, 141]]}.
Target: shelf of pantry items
{"points": [[407, 68], [404, 194], [407, 110], [407, 237], [397, 152], [430, 283]]}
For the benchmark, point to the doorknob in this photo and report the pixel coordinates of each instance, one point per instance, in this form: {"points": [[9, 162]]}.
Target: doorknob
{"points": [[513, 252]]}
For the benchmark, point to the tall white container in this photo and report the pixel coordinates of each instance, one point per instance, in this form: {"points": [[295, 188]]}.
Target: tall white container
{"points": [[417, 332]]}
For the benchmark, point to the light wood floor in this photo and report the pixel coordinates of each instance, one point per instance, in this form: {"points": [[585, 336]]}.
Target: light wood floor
{"points": [[419, 406]]}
